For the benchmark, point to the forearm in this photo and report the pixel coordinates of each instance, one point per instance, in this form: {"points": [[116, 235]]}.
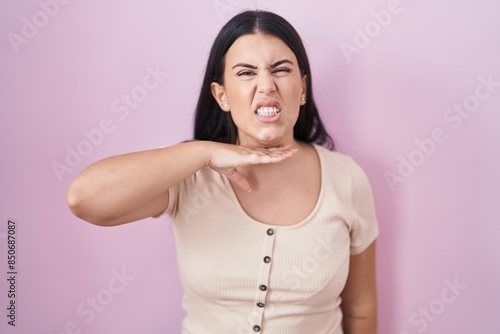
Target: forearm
{"points": [[359, 297], [360, 319], [116, 186]]}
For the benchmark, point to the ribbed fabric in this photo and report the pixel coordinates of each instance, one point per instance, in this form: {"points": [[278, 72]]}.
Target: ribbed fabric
{"points": [[243, 276]]}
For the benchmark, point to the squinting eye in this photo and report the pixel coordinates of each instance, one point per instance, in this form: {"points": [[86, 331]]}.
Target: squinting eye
{"points": [[282, 70], [245, 73]]}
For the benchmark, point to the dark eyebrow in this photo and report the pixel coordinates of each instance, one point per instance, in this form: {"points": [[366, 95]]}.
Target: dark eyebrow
{"points": [[245, 65], [279, 62], [276, 64]]}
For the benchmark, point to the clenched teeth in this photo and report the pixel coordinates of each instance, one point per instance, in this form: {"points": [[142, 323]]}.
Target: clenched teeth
{"points": [[268, 111]]}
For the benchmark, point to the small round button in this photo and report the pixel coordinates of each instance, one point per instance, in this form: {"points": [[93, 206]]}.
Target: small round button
{"points": [[256, 328], [270, 231], [261, 305], [267, 259], [263, 287]]}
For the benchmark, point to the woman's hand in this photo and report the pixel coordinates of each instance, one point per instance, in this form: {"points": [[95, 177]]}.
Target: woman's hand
{"points": [[226, 158]]}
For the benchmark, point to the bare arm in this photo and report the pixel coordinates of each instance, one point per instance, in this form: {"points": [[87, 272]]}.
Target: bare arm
{"points": [[359, 297], [129, 187]]}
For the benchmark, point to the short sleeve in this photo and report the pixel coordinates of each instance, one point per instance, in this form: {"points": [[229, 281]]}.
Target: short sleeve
{"points": [[173, 195], [365, 225], [173, 200], [191, 194], [176, 194]]}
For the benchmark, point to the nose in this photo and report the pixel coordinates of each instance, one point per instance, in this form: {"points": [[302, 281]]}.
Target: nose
{"points": [[266, 84]]}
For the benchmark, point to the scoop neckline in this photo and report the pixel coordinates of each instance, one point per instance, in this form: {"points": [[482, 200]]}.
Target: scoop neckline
{"points": [[303, 222]]}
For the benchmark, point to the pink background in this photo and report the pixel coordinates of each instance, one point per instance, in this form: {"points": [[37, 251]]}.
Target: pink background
{"points": [[438, 228]]}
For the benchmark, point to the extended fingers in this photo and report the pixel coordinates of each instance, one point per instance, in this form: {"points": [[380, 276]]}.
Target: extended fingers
{"points": [[278, 148], [267, 156], [228, 155]]}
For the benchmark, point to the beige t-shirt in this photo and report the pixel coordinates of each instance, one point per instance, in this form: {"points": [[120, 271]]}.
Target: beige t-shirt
{"points": [[242, 276]]}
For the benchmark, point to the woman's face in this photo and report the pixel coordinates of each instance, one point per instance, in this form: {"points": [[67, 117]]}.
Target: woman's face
{"points": [[263, 90]]}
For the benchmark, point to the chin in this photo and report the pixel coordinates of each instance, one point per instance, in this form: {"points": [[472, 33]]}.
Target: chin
{"points": [[270, 140], [268, 134], [266, 137]]}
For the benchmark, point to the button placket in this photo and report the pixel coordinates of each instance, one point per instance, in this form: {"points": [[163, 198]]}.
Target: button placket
{"points": [[264, 275]]}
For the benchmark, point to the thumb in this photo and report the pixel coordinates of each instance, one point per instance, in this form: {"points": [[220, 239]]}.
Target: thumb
{"points": [[238, 179]]}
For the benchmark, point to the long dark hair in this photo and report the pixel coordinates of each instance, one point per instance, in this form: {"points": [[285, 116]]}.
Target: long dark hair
{"points": [[212, 123]]}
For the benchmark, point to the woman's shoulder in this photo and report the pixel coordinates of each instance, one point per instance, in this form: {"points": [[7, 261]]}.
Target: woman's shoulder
{"points": [[342, 170], [334, 158]]}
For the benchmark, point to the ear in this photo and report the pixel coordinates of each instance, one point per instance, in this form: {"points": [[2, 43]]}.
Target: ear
{"points": [[219, 94], [304, 91]]}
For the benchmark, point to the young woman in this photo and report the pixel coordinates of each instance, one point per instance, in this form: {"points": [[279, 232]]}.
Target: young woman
{"points": [[274, 232]]}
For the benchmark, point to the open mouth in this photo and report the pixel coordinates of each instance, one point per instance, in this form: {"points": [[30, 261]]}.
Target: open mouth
{"points": [[268, 111]]}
